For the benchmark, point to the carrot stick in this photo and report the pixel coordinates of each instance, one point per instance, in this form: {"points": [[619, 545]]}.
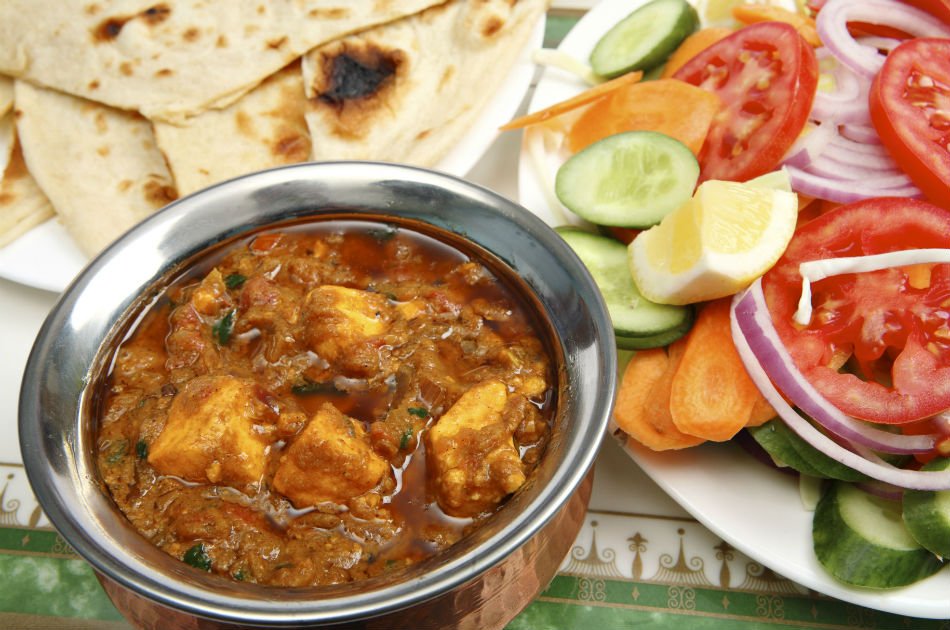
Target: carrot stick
{"points": [[585, 97], [642, 409], [692, 46], [669, 106], [752, 13], [711, 395]]}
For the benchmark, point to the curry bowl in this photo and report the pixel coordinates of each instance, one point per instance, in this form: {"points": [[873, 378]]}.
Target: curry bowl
{"points": [[486, 575]]}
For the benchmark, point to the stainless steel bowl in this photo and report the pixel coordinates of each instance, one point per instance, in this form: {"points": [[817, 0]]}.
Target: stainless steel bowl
{"points": [[484, 580]]}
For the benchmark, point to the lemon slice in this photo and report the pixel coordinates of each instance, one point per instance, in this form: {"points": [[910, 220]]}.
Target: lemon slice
{"points": [[716, 243]]}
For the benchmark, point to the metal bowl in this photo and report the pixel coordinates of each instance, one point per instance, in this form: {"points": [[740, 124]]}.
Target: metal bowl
{"points": [[484, 580]]}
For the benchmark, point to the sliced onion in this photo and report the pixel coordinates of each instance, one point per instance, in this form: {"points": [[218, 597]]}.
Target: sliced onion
{"points": [[835, 168], [756, 324], [844, 190], [832, 26], [810, 145], [758, 345], [841, 148], [860, 134], [848, 102]]}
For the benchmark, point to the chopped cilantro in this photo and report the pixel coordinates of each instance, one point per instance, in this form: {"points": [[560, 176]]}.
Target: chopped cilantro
{"points": [[234, 280], [419, 412], [141, 449], [239, 575], [196, 557], [119, 450], [223, 328]]}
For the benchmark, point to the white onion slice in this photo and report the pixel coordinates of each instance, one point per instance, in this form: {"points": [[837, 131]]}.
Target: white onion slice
{"points": [[752, 313], [809, 145], [832, 26], [861, 134], [844, 190], [815, 270], [750, 319]]}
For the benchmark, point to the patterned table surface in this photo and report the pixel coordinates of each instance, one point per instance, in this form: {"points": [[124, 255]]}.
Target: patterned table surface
{"points": [[639, 561]]}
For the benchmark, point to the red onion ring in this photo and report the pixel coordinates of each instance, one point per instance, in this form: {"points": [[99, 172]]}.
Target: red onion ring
{"points": [[755, 321], [830, 166], [848, 103], [845, 190], [751, 323], [808, 146], [832, 26], [860, 134]]}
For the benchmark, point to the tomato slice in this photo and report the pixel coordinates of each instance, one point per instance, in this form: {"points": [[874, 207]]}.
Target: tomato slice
{"points": [[910, 108], [765, 74], [894, 324]]}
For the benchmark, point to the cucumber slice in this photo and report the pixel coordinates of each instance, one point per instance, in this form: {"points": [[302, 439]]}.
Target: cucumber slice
{"points": [[659, 340], [645, 38], [927, 513], [631, 179], [632, 314], [773, 436], [860, 539]]}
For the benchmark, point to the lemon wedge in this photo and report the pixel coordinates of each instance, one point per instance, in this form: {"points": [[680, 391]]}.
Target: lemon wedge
{"points": [[716, 243]]}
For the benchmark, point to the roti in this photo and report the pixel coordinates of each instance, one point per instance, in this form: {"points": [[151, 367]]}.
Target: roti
{"points": [[6, 94], [409, 90], [99, 166], [172, 58], [263, 129], [22, 204]]}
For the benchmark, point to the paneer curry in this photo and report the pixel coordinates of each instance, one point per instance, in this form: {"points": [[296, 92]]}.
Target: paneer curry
{"points": [[326, 402]]}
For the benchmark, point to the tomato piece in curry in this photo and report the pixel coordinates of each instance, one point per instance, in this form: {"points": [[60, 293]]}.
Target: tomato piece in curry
{"points": [[325, 403]]}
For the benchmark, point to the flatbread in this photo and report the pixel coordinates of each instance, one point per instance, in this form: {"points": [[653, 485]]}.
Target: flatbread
{"points": [[409, 90], [98, 165], [173, 58], [22, 204], [263, 129], [6, 94]]}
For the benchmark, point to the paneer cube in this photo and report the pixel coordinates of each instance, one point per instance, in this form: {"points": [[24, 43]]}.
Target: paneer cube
{"points": [[215, 433], [343, 326], [330, 460], [473, 454]]}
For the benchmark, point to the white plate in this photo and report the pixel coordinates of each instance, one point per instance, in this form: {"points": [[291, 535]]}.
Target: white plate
{"points": [[755, 509], [48, 258]]}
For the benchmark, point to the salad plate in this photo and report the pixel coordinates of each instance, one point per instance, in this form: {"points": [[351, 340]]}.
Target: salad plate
{"points": [[47, 258], [755, 508]]}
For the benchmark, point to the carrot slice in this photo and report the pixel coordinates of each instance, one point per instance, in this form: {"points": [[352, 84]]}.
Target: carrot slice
{"points": [[752, 13], [692, 46], [587, 96], [761, 413], [711, 395], [669, 106], [642, 409]]}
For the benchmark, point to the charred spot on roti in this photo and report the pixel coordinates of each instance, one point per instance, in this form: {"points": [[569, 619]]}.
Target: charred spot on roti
{"points": [[125, 68], [422, 135], [94, 84], [156, 14], [329, 14], [292, 148], [125, 184], [191, 34], [110, 28], [244, 123], [491, 26], [222, 41], [102, 124], [164, 72], [158, 192], [277, 43], [92, 9], [357, 73], [447, 76], [103, 150]]}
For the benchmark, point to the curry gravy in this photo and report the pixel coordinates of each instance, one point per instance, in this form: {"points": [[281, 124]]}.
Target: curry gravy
{"points": [[326, 402]]}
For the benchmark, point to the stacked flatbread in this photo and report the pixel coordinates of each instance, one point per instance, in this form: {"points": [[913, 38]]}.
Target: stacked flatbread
{"points": [[120, 106]]}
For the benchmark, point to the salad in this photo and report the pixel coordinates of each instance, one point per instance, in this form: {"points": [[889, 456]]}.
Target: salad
{"points": [[766, 208]]}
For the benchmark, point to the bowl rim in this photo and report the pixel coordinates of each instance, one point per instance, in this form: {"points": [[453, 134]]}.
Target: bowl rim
{"points": [[35, 436]]}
